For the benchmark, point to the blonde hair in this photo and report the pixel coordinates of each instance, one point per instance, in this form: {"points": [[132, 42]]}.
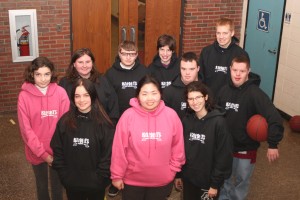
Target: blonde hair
{"points": [[127, 46], [225, 21]]}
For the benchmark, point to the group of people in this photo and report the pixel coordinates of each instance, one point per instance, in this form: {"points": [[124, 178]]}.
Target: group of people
{"points": [[180, 121]]}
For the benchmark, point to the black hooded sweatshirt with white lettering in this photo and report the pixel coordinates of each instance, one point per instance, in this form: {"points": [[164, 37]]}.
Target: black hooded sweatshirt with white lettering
{"points": [[208, 150], [165, 75], [243, 102], [125, 81], [82, 155], [215, 64]]}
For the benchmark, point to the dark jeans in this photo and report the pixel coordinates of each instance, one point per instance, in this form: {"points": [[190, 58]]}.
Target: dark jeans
{"points": [[90, 195], [193, 192], [42, 173], [146, 193]]}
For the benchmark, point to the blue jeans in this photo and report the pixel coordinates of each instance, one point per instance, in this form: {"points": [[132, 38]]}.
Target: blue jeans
{"points": [[237, 186]]}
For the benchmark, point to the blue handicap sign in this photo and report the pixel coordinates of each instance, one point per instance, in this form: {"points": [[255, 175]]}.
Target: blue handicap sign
{"points": [[263, 22]]}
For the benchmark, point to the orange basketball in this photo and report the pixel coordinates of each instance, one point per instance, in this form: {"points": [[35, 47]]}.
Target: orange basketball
{"points": [[257, 128], [295, 123]]}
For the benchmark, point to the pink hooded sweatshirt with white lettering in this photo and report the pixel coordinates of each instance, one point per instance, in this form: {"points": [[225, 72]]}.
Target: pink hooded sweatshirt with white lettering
{"points": [[38, 115], [148, 147]]}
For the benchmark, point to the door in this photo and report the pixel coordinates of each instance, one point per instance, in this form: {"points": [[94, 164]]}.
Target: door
{"points": [[101, 25], [262, 40]]}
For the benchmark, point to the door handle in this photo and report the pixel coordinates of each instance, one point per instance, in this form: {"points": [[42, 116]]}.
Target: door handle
{"points": [[272, 51], [123, 34], [132, 34]]}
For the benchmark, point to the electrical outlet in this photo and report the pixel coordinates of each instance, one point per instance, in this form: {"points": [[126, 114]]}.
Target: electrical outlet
{"points": [[58, 27]]}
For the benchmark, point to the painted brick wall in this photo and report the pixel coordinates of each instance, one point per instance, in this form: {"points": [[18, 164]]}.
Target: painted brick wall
{"points": [[52, 44], [199, 21]]}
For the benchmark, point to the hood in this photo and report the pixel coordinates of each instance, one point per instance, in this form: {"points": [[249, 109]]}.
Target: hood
{"points": [[156, 60], [234, 40], [134, 102], [254, 79], [117, 65], [32, 89]]}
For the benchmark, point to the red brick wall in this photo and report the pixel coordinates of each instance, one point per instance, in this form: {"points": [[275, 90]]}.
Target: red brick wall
{"points": [[52, 44], [199, 21]]}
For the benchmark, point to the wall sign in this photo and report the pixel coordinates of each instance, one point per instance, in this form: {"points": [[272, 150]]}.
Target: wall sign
{"points": [[263, 22], [23, 35]]}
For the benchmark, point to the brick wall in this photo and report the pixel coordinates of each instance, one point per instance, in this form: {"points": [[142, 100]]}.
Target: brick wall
{"points": [[198, 31], [52, 44], [199, 21]]}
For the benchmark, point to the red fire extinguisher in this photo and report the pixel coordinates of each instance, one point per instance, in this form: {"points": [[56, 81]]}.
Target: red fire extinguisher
{"points": [[23, 42]]}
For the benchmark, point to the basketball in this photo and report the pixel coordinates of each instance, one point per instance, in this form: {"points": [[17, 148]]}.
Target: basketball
{"points": [[257, 128], [295, 123]]}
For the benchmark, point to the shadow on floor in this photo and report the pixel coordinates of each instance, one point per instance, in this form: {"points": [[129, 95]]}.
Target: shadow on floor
{"points": [[279, 180]]}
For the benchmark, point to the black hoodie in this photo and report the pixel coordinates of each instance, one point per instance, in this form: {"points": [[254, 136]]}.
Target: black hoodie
{"points": [[82, 156], [243, 102], [208, 150], [215, 64], [165, 75], [125, 81]]}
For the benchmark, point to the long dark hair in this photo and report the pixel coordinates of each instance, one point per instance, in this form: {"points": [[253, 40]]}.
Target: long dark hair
{"points": [[97, 113], [72, 73], [197, 86], [35, 65]]}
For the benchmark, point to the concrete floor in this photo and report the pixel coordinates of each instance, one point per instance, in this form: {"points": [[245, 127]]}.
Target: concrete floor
{"points": [[276, 181]]}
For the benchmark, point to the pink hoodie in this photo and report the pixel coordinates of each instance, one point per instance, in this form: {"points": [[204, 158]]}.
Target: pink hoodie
{"points": [[148, 147], [38, 115]]}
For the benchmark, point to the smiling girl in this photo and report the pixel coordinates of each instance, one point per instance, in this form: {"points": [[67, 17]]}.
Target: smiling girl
{"points": [[41, 103]]}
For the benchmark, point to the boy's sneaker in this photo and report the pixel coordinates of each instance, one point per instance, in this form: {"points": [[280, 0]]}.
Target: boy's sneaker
{"points": [[113, 191]]}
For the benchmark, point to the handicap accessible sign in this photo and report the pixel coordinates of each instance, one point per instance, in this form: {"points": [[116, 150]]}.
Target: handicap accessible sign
{"points": [[263, 22]]}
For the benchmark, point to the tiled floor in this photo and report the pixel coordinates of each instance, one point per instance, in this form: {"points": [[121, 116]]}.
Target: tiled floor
{"points": [[280, 180]]}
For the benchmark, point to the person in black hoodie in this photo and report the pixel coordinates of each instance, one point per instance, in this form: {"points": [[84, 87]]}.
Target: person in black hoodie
{"points": [[82, 65], [165, 65], [124, 76], [208, 145], [173, 95], [82, 145], [242, 98], [125, 73], [216, 58]]}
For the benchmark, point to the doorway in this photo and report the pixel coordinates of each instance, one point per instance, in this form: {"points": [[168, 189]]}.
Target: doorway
{"points": [[102, 25], [262, 40]]}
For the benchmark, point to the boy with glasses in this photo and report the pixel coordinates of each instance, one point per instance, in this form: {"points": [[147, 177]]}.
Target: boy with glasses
{"points": [[124, 75]]}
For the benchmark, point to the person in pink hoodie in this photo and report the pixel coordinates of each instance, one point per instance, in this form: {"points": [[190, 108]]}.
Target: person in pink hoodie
{"points": [[148, 147], [41, 103]]}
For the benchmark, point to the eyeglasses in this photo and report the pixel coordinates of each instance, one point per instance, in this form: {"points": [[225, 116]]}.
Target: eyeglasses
{"points": [[128, 54], [197, 98]]}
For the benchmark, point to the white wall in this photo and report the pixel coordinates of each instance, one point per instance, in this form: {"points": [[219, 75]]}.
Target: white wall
{"points": [[287, 89]]}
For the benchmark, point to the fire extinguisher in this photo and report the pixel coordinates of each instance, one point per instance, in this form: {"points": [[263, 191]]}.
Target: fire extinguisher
{"points": [[23, 42]]}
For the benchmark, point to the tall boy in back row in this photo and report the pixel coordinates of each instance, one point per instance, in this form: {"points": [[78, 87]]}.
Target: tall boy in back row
{"points": [[215, 59]]}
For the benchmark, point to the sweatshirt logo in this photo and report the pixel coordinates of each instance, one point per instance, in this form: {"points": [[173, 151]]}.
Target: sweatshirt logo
{"points": [[221, 69], [49, 113], [233, 106], [165, 84], [197, 137], [132, 84], [151, 136], [81, 141], [183, 105]]}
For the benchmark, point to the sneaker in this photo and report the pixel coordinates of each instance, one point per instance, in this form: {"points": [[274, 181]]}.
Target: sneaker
{"points": [[113, 191]]}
